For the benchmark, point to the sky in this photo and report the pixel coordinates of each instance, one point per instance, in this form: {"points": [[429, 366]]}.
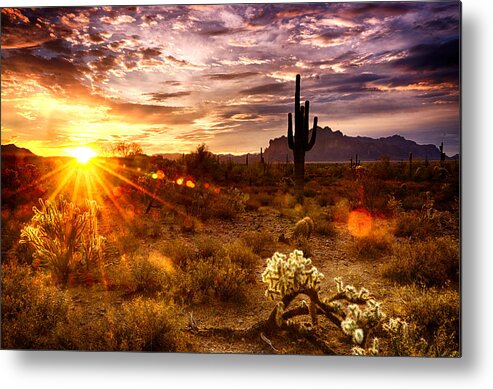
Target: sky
{"points": [[172, 77]]}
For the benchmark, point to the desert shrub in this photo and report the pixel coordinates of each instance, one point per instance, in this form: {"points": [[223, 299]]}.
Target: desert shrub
{"points": [[209, 278], [227, 206], [260, 242], [433, 262], [324, 227], [31, 308], [284, 200], [340, 211], [243, 256], [372, 246], [409, 224], [374, 194], [431, 326], [208, 246], [140, 324], [64, 236], [265, 199], [303, 244], [150, 274], [180, 251]]}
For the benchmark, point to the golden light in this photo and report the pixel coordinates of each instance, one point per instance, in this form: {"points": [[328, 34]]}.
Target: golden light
{"points": [[179, 181], [83, 154], [190, 184], [359, 223], [154, 176]]}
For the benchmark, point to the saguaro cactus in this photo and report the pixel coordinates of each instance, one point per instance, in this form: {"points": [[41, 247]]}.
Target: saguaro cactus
{"points": [[299, 142], [442, 154]]}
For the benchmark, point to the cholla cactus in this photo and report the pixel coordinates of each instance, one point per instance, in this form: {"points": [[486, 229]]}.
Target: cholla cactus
{"points": [[288, 276], [354, 311], [371, 351], [61, 234]]}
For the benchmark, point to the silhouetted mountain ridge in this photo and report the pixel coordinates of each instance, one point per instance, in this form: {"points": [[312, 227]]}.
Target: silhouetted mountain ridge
{"points": [[332, 146], [11, 150]]}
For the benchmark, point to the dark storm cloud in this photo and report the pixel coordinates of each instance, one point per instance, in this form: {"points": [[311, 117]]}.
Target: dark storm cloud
{"points": [[449, 23], [431, 56], [376, 9], [58, 46]]}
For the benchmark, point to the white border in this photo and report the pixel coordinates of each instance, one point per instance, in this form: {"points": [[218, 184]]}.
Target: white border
{"points": [[131, 370]]}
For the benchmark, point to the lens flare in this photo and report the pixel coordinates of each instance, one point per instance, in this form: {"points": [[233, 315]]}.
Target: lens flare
{"points": [[359, 222], [190, 184], [179, 181]]}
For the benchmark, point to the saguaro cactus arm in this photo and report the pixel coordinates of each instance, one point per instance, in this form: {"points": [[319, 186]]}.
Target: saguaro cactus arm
{"points": [[290, 132]]}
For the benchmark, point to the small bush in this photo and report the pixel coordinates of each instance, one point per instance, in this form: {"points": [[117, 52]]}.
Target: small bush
{"points": [[180, 251], [208, 247], [433, 262], [140, 324], [410, 225], [434, 319], [324, 227], [150, 274], [260, 242], [375, 245], [209, 278], [340, 211], [31, 309], [243, 256]]}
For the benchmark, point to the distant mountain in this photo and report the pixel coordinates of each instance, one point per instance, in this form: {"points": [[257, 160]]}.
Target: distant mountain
{"points": [[332, 146], [12, 150]]}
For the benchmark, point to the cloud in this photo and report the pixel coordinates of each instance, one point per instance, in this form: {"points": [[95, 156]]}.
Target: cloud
{"points": [[431, 56], [165, 96], [20, 31], [266, 89], [231, 76]]}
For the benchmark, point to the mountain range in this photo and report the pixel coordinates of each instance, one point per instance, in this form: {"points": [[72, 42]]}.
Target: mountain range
{"points": [[334, 146]]}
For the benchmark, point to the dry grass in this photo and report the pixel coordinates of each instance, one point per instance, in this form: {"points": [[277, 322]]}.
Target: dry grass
{"points": [[433, 262], [433, 316], [377, 244]]}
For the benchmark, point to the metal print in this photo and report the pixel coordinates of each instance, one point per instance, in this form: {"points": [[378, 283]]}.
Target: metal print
{"points": [[235, 178]]}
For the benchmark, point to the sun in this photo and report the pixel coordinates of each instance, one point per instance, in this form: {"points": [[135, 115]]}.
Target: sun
{"points": [[83, 154]]}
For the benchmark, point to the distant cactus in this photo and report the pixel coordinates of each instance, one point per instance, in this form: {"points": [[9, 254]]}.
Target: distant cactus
{"points": [[304, 228], [442, 154], [410, 164], [299, 142]]}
